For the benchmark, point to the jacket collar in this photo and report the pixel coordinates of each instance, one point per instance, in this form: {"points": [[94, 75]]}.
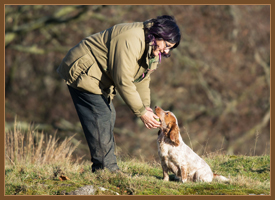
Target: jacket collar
{"points": [[149, 57]]}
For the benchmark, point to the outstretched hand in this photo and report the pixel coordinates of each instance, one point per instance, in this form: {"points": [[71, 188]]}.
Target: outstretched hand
{"points": [[149, 119]]}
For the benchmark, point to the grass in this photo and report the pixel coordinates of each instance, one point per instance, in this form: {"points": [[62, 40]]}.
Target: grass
{"points": [[33, 166]]}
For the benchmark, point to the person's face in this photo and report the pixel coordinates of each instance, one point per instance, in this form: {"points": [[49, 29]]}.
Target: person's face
{"points": [[162, 46]]}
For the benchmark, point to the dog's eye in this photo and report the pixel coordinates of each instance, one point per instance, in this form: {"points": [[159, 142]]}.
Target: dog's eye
{"points": [[166, 114]]}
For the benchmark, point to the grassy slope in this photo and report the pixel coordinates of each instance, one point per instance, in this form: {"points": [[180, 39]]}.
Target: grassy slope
{"points": [[34, 164], [248, 174]]}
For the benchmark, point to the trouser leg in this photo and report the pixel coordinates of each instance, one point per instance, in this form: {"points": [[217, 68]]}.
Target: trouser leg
{"points": [[97, 118]]}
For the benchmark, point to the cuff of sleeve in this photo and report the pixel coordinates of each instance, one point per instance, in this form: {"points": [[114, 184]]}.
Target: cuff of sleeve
{"points": [[141, 112]]}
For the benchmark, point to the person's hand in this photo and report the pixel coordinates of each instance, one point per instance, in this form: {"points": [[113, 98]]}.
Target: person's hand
{"points": [[149, 109], [149, 119]]}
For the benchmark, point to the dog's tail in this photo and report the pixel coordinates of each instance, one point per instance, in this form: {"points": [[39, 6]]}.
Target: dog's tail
{"points": [[220, 178]]}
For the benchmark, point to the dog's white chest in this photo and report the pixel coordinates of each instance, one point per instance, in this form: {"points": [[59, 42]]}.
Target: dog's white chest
{"points": [[163, 149], [166, 150]]}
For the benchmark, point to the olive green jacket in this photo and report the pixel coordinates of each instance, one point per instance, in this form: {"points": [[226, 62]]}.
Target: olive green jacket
{"points": [[116, 58]]}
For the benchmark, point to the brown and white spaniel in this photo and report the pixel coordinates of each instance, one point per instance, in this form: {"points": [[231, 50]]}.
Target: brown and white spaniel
{"points": [[176, 156]]}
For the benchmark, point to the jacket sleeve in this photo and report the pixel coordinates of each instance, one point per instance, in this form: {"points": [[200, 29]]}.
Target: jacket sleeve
{"points": [[143, 86], [144, 91], [123, 56]]}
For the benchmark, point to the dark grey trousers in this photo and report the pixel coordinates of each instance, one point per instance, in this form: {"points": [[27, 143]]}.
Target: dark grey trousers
{"points": [[97, 118]]}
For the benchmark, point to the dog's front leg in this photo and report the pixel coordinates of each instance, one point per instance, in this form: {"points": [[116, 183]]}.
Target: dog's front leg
{"points": [[165, 170], [183, 173], [165, 173]]}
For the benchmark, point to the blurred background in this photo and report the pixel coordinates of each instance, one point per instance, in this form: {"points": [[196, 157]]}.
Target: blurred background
{"points": [[217, 82]]}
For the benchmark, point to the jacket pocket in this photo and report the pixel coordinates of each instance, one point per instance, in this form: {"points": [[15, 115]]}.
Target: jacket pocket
{"points": [[79, 67], [89, 84], [94, 80], [104, 81]]}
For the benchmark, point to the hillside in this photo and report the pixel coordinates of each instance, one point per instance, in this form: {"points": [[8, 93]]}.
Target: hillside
{"points": [[36, 165]]}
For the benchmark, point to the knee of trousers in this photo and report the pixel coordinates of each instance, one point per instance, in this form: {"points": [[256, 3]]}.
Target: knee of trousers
{"points": [[99, 135]]}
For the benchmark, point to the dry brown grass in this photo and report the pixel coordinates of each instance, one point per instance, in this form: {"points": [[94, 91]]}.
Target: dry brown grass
{"points": [[33, 147]]}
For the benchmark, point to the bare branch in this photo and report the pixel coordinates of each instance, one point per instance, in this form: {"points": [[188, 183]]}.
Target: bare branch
{"points": [[58, 17]]}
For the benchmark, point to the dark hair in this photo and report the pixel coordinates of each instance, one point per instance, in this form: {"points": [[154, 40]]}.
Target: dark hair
{"points": [[164, 27]]}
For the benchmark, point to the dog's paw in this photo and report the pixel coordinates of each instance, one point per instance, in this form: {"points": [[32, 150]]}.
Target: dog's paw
{"points": [[184, 180]]}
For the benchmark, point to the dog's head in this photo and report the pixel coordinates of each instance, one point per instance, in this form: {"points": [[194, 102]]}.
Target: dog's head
{"points": [[169, 125]]}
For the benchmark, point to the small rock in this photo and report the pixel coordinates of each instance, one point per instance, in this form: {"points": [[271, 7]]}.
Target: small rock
{"points": [[85, 190], [104, 189], [88, 190]]}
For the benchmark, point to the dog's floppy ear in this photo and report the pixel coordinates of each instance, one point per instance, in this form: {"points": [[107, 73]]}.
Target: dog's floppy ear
{"points": [[174, 133]]}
